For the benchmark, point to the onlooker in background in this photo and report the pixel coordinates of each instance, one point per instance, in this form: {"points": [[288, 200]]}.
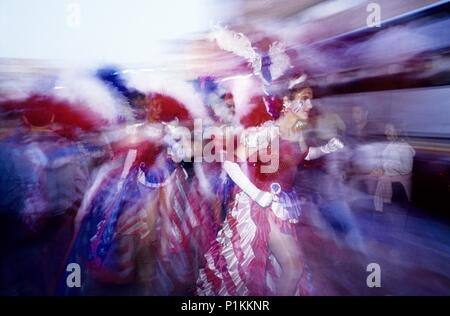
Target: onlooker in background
{"points": [[326, 124], [362, 138], [324, 178], [361, 129], [394, 182]]}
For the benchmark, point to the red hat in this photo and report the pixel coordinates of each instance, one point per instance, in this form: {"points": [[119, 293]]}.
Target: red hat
{"points": [[264, 108], [164, 108], [41, 110]]}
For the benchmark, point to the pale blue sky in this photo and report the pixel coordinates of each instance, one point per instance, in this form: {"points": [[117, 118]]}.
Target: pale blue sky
{"points": [[124, 31]]}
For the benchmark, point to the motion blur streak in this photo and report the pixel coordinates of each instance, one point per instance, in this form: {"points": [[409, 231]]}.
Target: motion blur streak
{"points": [[95, 95]]}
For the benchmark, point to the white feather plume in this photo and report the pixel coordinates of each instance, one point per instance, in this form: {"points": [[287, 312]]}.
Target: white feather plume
{"points": [[280, 61], [92, 93], [236, 43], [240, 45]]}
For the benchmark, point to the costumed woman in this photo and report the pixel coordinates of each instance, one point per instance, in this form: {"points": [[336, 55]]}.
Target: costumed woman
{"points": [[45, 172], [211, 187], [257, 252], [133, 224], [211, 181]]}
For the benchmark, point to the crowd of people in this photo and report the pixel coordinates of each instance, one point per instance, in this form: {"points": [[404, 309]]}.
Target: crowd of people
{"points": [[118, 186]]}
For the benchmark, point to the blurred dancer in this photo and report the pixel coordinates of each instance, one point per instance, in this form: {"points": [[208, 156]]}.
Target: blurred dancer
{"points": [[326, 124], [211, 181], [113, 78], [257, 251], [45, 171], [211, 188], [51, 138], [134, 221], [365, 150], [325, 177]]}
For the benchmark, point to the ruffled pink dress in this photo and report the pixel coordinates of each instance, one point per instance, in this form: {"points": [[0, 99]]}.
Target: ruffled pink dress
{"points": [[240, 261]]}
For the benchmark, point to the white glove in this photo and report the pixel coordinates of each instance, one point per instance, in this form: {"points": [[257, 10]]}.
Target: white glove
{"points": [[333, 144], [264, 199]]}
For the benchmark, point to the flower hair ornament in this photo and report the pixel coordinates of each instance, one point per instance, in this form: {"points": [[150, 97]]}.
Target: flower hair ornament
{"points": [[294, 105]]}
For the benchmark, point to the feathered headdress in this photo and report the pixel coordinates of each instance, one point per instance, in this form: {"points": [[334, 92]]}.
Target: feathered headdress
{"points": [[236, 43], [270, 66], [280, 61], [216, 98], [112, 77], [90, 92]]}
